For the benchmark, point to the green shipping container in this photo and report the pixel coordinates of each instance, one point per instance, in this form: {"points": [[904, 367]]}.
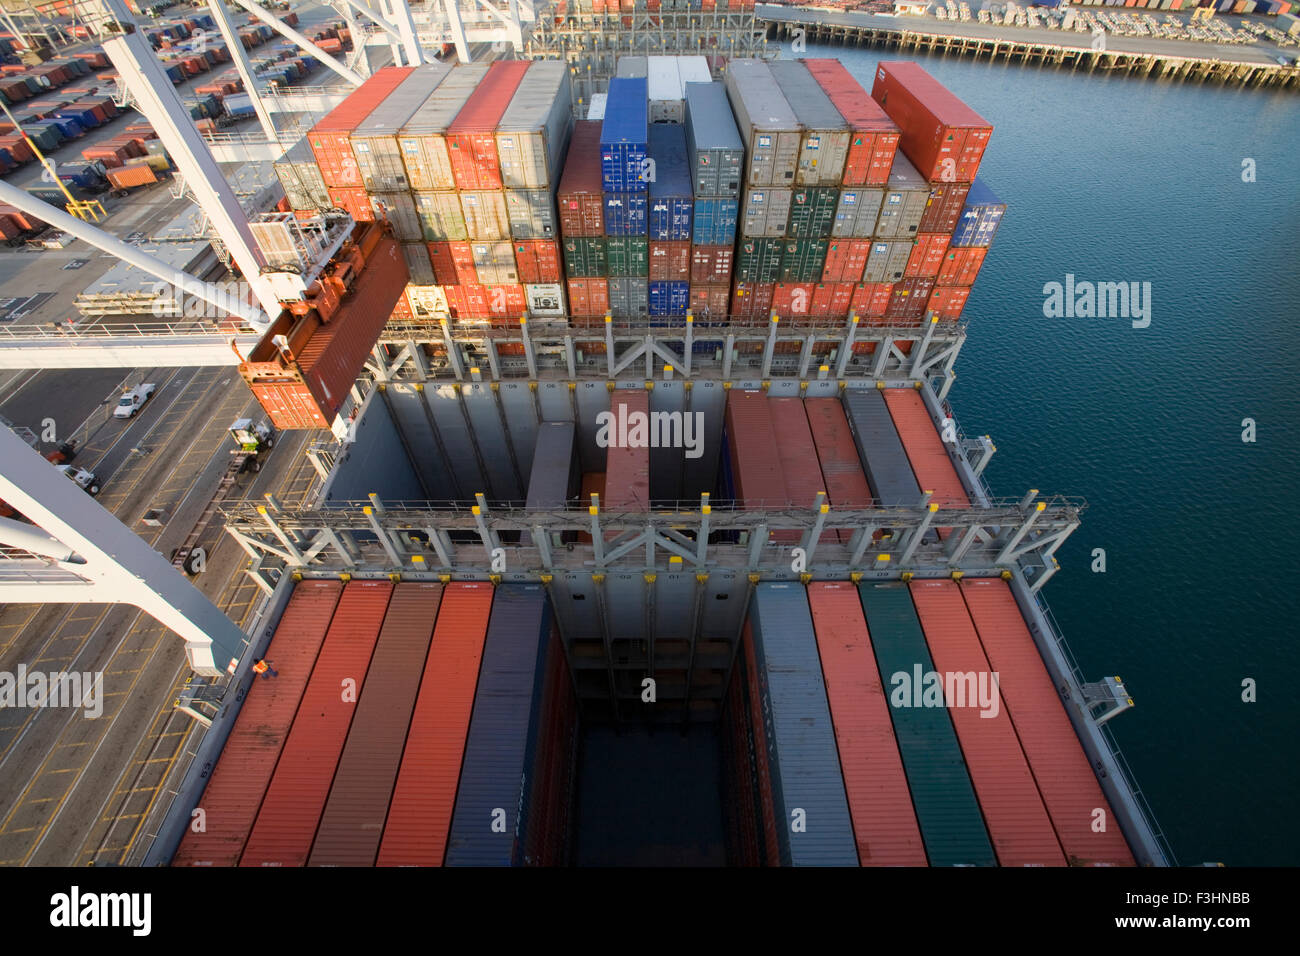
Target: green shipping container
{"points": [[946, 809], [628, 256], [803, 260], [759, 260], [585, 258], [812, 213]]}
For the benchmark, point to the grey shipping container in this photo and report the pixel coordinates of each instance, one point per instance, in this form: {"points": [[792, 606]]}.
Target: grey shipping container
{"points": [[765, 212], [947, 812], [485, 215], [531, 213], [495, 773], [633, 66], [554, 478], [825, 143], [715, 151], [416, 255], [399, 209], [629, 298], [441, 216], [887, 260], [300, 177], [856, 212], [812, 212], [768, 125], [374, 141], [423, 139], [534, 130], [803, 760], [495, 262], [904, 202], [883, 458]]}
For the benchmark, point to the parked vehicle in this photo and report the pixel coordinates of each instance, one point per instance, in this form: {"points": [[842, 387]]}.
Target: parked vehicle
{"points": [[133, 400]]}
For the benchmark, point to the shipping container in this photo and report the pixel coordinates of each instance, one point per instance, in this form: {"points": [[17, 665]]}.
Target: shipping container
{"points": [[628, 297], [887, 260], [714, 222], [663, 89], [803, 761], [398, 209], [961, 266], [1066, 781], [942, 795], [875, 783], [824, 144], [301, 179], [355, 201], [803, 260], [538, 261], [374, 140], [710, 301], [668, 298], [856, 213], [670, 201], [588, 298], [330, 139], [534, 130], [768, 126], [793, 299], [627, 256], [545, 300], [485, 215], [740, 804], [846, 260], [930, 459], [980, 217], [943, 137], [757, 476], [627, 467], [884, 460], [423, 140], [286, 823], [944, 207], [633, 67], [243, 770], [471, 136], [585, 258], [764, 213], [904, 202], [874, 136], [494, 262], [927, 256], [845, 482], [441, 216], [947, 302], [453, 263], [711, 264], [907, 303], [581, 198], [812, 213], [626, 213], [418, 266], [798, 455], [1018, 824], [131, 175], [554, 479], [752, 301], [715, 151], [531, 213], [669, 262], [624, 136]]}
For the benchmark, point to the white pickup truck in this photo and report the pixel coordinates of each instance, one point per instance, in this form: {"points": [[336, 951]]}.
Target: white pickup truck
{"points": [[86, 479], [133, 400]]}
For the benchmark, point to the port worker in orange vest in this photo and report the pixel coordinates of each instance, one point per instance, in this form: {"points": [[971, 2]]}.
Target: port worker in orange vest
{"points": [[265, 669]]}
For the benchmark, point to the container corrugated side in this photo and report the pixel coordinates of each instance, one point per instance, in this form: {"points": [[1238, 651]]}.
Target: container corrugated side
{"points": [[239, 780], [846, 483], [824, 145], [501, 741], [856, 213], [374, 141], [485, 214], [624, 136], [671, 204], [286, 823], [756, 472], [627, 468], [301, 179], [884, 822], [944, 207], [961, 266], [765, 213], [580, 197], [874, 139], [534, 130], [715, 150], [803, 759], [419, 818], [531, 213], [471, 136], [884, 461], [769, 127], [943, 137], [797, 454], [626, 213], [553, 477], [942, 795], [330, 139], [980, 216], [1017, 821], [352, 823], [423, 140], [904, 202]]}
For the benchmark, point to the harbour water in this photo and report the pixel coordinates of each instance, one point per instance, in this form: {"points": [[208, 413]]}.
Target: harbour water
{"points": [[1110, 179]]}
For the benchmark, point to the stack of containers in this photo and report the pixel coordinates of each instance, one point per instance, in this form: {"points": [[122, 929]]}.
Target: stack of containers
{"points": [[668, 221], [582, 226], [716, 156], [971, 238], [945, 140], [624, 148]]}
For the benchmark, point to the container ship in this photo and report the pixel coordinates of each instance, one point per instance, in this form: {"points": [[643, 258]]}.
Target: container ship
{"points": [[670, 509]]}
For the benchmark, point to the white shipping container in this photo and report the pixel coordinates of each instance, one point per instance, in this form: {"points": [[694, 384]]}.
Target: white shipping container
{"points": [[485, 215], [545, 301], [495, 263]]}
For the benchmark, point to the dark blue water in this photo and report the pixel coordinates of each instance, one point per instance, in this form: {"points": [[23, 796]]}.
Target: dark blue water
{"points": [[1124, 180]]}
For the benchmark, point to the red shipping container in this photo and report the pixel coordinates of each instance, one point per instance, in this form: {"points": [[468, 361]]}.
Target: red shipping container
{"points": [[927, 256], [538, 261], [497, 302], [627, 467], [961, 265], [908, 301], [943, 208], [711, 264], [581, 203], [752, 301], [670, 261], [942, 136], [756, 470], [846, 260], [833, 299], [453, 263], [947, 301], [471, 137], [871, 299], [710, 302], [874, 138], [355, 200], [19, 148], [588, 298], [793, 299], [9, 229], [798, 455], [330, 139]]}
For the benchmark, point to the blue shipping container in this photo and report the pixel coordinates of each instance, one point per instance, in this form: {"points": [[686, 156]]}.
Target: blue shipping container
{"points": [[671, 202], [624, 135], [979, 217], [715, 222], [497, 769], [625, 214], [669, 298], [803, 759], [85, 117], [66, 125]]}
